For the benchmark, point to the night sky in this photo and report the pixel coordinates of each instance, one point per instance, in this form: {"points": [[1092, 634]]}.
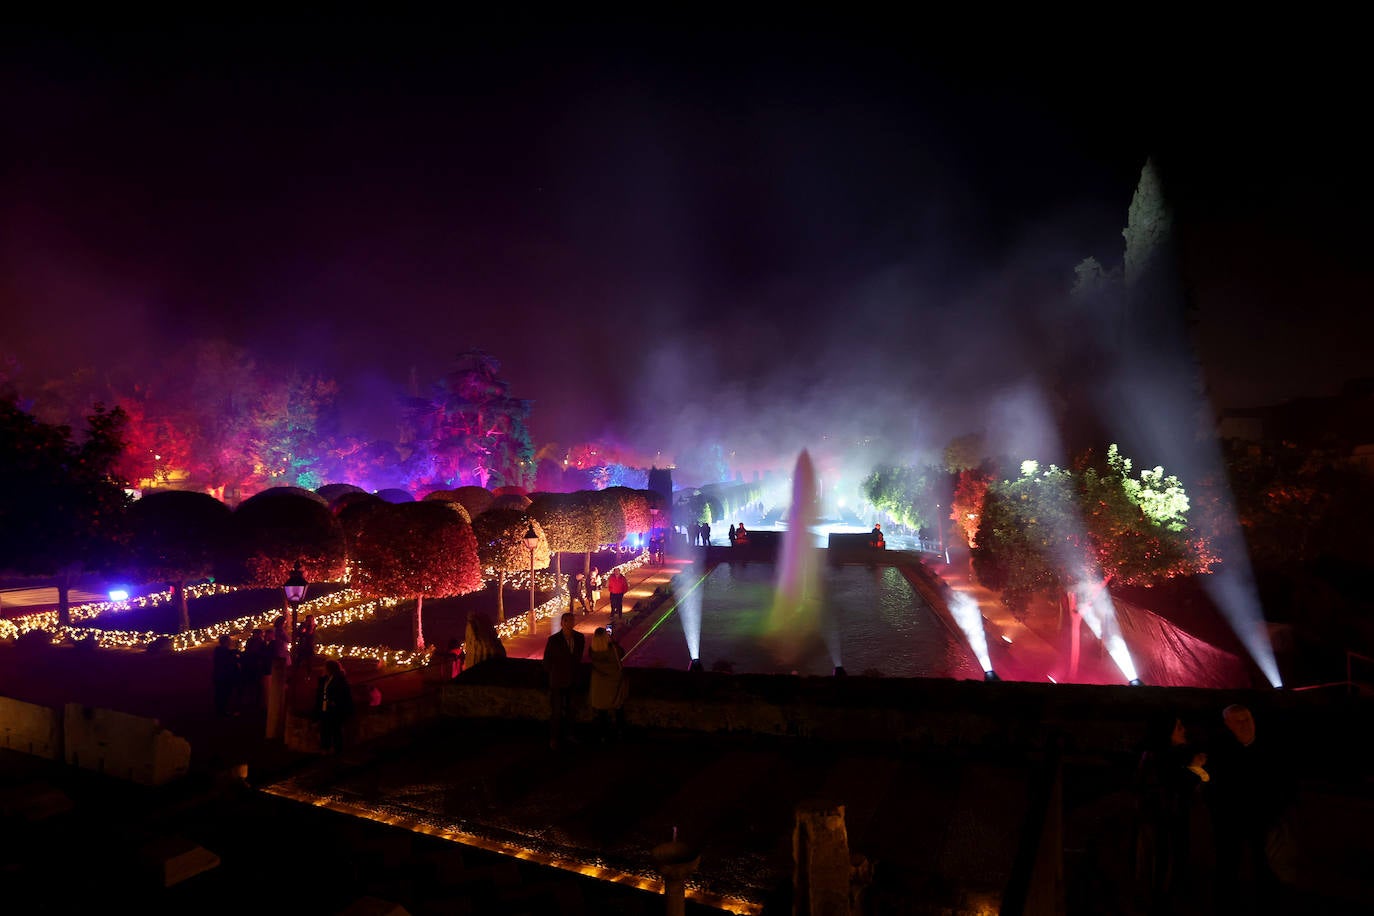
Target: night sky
{"points": [[672, 235]]}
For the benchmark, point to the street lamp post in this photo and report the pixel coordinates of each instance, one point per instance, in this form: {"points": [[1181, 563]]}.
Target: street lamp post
{"points": [[531, 542], [295, 587], [653, 532]]}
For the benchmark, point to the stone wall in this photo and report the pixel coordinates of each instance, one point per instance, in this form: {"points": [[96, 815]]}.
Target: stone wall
{"points": [[30, 729], [1087, 719], [368, 722], [118, 744]]}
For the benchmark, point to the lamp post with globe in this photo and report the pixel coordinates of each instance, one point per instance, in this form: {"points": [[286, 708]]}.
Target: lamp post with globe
{"points": [[531, 542]]}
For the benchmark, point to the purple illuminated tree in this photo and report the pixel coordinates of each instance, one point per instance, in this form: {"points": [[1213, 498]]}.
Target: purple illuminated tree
{"points": [[469, 430]]}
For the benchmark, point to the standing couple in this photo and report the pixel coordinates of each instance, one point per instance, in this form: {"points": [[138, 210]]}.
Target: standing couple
{"points": [[562, 667]]}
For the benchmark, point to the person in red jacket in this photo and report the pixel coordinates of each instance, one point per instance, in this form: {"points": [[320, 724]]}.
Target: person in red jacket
{"points": [[616, 586]]}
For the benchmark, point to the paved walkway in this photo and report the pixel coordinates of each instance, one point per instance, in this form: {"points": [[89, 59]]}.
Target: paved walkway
{"points": [[1037, 648], [643, 581]]}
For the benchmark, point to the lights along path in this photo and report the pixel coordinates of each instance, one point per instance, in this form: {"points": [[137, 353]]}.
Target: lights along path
{"points": [[541, 854]]}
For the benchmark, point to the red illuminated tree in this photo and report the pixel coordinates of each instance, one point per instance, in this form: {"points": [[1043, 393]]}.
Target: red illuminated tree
{"points": [[966, 509], [415, 550], [157, 444], [634, 509]]}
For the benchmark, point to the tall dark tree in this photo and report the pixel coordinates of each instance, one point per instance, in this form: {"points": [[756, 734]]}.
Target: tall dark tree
{"points": [[62, 509], [280, 527], [178, 536]]}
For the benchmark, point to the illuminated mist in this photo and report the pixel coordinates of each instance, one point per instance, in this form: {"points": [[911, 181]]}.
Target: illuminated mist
{"points": [[969, 617], [689, 616]]}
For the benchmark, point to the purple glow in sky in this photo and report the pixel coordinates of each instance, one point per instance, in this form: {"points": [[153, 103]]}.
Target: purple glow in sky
{"points": [[670, 236]]}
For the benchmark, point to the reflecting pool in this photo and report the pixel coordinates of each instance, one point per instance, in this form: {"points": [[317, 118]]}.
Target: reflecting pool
{"points": [[868, 619]]}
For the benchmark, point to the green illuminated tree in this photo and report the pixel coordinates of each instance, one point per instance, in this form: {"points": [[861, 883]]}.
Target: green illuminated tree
{"points": [[906, 493], [1059, 531]]}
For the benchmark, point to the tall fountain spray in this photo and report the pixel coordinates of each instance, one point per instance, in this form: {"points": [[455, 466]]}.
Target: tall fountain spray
{"points": [[796, 602]]}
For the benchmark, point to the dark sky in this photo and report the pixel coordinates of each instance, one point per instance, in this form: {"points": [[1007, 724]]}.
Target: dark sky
{"points": [[675, 234]]}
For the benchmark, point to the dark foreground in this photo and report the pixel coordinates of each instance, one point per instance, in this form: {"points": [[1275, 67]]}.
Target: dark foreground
{"points": [[939, 827]]}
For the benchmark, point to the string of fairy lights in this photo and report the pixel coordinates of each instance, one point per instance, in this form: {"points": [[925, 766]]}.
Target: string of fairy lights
{"points": [[337, 609]]}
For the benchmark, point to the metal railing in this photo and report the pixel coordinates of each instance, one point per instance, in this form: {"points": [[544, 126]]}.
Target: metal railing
{"points": [[1351, 685]]}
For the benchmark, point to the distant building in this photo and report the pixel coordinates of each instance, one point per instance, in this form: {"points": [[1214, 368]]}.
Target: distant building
{"points": [[1343, 422]]}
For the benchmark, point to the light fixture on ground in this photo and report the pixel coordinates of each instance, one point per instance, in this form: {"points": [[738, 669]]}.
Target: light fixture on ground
{"points": [[531, 542], [990, 675], [295, 587], [695, 665], [840, 672], [1135, 682]]}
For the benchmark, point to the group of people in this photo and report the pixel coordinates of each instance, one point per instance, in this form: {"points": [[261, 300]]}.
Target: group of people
{"points": [[240, 676], [738, 535], [1240, 788], [606, 685], [585, 591]]}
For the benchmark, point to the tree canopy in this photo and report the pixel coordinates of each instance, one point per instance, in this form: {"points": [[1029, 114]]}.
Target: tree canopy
{"points": [[179, 536], [62, 505], [282, 526], [1055, 529], [415, 550]]}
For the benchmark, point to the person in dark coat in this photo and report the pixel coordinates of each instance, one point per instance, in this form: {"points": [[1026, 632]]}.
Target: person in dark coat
{"points": [[731, 535], [1169, 780], [562, 658], [1251, 792], [304, 645], [577, 593], [226, 674], [256, 664], [333, 706]]}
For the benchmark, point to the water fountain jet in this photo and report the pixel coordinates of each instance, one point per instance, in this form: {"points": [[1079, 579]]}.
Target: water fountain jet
{"points": [[797, 597]]}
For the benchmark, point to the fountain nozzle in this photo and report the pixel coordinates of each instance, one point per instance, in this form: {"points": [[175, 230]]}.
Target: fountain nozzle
{"points": [[695, 665]]}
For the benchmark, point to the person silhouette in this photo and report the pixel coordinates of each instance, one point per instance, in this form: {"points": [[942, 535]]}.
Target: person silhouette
{"points": [[333, 706], [1251, 792], [577, 593], [562, 657]]}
